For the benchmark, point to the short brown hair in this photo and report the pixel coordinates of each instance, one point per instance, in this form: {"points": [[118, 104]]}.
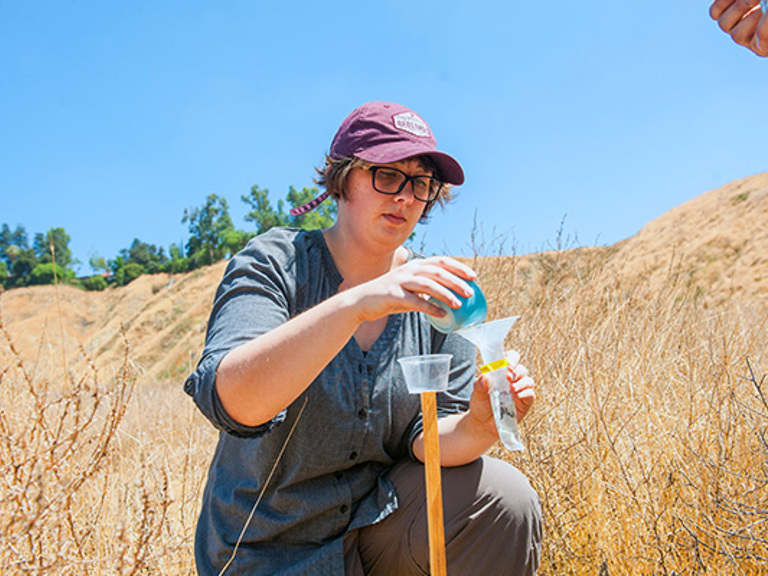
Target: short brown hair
{"points": [[333, 177]]}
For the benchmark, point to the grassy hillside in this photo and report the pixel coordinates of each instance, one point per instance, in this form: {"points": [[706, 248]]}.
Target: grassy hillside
{"points": [[647, 443]]}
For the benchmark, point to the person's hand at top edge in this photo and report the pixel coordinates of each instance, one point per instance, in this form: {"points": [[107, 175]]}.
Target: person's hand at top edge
{"points": [[744, 21]]}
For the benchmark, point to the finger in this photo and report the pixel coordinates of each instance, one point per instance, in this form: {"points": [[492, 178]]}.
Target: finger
{"points": [[481, 384], [410, 301], [426, 287], [406, 292], [457, 274], [513, 357], [523, 406], [734, 14], [423, 271], [454, 266], [523, 386], [447, 279], [525, 398], [743, 32], [718, 7], [761, 37], [518, 372]]}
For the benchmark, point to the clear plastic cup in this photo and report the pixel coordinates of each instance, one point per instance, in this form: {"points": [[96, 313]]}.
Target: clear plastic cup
{"points": [[473, 311], [426, 373]]}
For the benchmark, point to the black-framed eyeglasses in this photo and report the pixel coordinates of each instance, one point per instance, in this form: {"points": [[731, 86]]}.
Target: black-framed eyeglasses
{"points": [[391, 181]]}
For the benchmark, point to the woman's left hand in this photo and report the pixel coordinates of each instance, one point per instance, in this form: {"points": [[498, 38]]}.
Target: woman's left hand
{"points": [[521, 384], [467, 436]]}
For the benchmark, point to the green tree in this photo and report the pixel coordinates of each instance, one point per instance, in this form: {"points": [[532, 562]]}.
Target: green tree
{"points": [[3, 273], [11, 241], [177, 262], [98, 263], [234, 240], [116, 265], [43, 273], [262, 212], [17, 256], [130, 263], [23, 261], [128, 272], [208, 226], [95, 283], [5, 243], [59, 239], [151, 258]]}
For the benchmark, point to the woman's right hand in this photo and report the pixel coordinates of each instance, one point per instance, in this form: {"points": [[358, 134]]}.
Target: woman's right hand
{"points": [[250, 381], [407, 288]]}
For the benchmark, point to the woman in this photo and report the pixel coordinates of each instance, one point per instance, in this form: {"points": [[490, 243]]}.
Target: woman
{"points": [[317, 467]]}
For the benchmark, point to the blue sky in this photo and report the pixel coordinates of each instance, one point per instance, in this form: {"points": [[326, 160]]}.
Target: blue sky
{"points": [[116, 116]]}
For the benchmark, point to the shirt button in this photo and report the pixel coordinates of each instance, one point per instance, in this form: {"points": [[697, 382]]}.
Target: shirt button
{"points": [[362, 413], [344, 509], [353, 456]]}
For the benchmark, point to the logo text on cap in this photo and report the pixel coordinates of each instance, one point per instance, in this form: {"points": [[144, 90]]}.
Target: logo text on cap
{"points": [[409, 122]]}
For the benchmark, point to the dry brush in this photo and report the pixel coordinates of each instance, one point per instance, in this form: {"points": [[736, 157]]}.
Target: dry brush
{"points": [[648, 444]]}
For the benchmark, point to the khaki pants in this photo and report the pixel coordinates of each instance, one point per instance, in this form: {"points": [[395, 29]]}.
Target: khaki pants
{"points": [[492, 525]]}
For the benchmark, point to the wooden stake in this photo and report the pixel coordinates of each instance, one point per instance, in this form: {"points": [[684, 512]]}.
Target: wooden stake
{"points": [[437, 562]]}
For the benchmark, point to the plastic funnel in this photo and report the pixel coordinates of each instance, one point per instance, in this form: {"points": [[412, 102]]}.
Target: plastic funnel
{"points": [[489, 339], [426, 373]]}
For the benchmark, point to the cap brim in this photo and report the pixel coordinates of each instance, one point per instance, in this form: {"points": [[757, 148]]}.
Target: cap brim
{"points": [[450, 170]]}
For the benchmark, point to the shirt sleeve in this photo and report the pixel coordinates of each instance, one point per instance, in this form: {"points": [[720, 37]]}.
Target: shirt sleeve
{"points": [[456, 399], [255, 296]]}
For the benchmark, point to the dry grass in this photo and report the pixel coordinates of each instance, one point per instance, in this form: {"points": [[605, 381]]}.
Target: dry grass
{"points": [[649, 440], [96, 476], [648, 443]]}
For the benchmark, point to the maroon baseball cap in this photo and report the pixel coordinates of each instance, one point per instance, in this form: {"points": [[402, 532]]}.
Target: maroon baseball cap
{"points": [[382, 132]]}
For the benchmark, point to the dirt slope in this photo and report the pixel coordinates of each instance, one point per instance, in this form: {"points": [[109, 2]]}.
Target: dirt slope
{"points": [[717, 243], [163, 318]]}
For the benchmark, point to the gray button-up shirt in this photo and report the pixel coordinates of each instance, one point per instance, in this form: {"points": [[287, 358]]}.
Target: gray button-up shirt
{"points": [[358, 419]]}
